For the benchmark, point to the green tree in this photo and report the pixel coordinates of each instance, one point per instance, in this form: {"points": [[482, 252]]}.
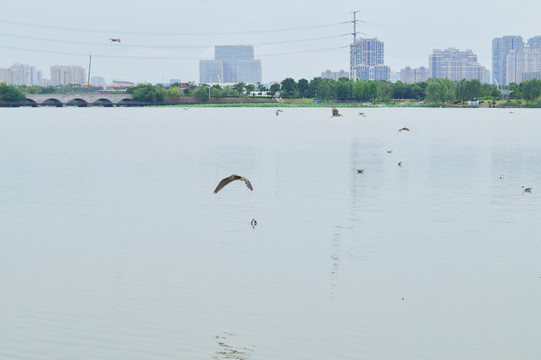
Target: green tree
{"points": [[10, 93], [274, 88], [288, 88], [148, 93], [239, 88], [439, 91], [385, 90], [343, 89], [303, 88], [531, 89], [202, 93]]}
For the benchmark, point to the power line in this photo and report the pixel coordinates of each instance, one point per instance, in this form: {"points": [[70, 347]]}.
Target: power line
{"points": [[63, 28], [159, 46], [155, 57]]}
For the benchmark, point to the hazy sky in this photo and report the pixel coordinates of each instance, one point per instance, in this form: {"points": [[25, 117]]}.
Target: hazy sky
{"points": [[165, 39]]}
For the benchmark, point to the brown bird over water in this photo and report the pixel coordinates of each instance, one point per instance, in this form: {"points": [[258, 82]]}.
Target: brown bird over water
{"points": [[335, 113], [115, 40], [231, 178], [360, 171], [278, 112], [404, 129]]}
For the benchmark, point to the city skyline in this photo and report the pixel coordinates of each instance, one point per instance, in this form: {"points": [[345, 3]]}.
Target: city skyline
{"points": [[165, 40]]}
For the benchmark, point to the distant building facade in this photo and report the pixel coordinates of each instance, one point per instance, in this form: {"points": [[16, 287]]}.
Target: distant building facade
{"points": [[501, 47], [231, 64], [20, 74], [367, 60], [64, 75], [334, 75], [412, 76], [455, 65], [523, 64]]}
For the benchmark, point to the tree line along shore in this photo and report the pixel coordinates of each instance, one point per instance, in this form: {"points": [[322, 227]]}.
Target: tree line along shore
{"points": [[317, 92]]}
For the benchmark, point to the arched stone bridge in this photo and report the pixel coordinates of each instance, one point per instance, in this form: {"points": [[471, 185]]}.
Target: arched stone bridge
{"points": [[85, 100]]}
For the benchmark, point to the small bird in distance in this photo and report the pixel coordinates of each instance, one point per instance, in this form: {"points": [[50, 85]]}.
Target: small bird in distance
{"points": [[231, 178], [525, 189], [362, 114], [389, 151], [115, 40], [501, 177], [403, 129], [335, 113], [278, 112], [400, 164], [253, 223], [360, 171]]}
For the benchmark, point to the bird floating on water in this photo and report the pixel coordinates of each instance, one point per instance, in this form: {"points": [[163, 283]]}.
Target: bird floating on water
{"points": [[253, 223], [335, 113], [231, 178], [115, 40], [400, 164], [528, 190], [360, 171], [278, 112], [404, 129]]}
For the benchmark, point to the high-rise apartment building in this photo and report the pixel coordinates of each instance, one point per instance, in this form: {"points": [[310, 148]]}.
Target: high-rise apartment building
{"points": [[334, 75], [412, 76], [64, 75], [231, 64], [523, 64], [455, 65], [20, 74], [500, 49], [367, 60]]}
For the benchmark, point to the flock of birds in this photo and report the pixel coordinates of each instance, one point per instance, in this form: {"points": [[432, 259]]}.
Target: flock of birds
{"points": [[335, 113]]}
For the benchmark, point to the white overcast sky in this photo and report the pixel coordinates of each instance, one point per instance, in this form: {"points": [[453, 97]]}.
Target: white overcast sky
{"points": [[165, 39]]}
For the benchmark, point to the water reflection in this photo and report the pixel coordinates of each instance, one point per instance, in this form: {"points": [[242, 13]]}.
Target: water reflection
{"points": [[226, 350]]}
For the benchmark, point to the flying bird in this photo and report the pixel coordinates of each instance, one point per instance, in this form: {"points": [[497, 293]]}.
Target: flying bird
{"points": [[253, 223], [501, 177], [335, 113], [115, 40], [400, 164], [360, 171], [362, 114], [404, 129], [231, 178], [528, 190], [278, 112], [389, 151]]}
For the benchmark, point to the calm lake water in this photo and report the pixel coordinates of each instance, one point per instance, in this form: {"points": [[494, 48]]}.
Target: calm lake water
{"points": [[113, 245]]}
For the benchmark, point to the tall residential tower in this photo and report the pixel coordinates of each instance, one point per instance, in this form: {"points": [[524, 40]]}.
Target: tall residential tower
{"points": [[501, 47], [231, 64], [367, 60]]}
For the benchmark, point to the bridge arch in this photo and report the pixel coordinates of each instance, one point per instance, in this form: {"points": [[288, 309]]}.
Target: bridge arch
{"points": [[78, 102], [103, 102], [52, 102]]}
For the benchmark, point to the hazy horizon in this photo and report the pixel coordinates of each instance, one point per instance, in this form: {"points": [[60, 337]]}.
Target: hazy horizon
{"points": [[165, 40]]}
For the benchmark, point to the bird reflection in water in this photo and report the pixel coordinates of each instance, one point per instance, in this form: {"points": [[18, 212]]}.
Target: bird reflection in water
{"points": [[227, 351]]}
